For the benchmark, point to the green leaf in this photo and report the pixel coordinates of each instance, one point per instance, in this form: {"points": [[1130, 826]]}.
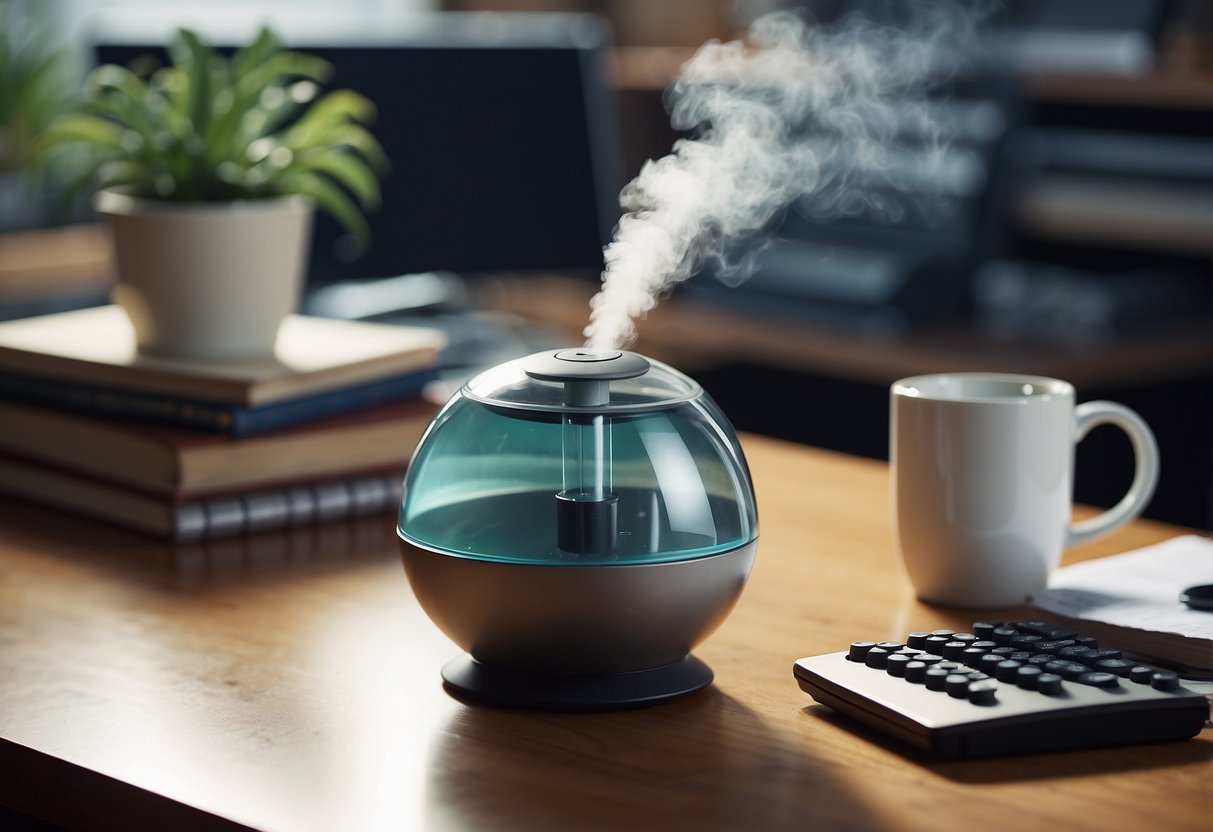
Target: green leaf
{"points": [[280, 67], [336, 109], [86, 129], [328, 198], [124, 96], [175, 85], [352, 136], [347, 169], [227, 140], [263, 47], [361, 140], [261, 120], [194, 57], [122, 172]]}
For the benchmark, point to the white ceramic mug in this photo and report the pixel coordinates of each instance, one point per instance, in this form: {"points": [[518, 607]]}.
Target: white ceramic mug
{"points": [[982, 470]]}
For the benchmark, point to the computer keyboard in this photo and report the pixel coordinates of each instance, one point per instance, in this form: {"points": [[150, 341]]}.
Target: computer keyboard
{"points": [[1023, 687]]}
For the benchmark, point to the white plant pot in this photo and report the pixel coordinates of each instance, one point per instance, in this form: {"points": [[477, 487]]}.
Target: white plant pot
{"points": [[207, 281]]}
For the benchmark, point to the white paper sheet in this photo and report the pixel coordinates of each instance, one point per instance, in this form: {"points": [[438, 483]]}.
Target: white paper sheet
{"points": [[1138, 589]]}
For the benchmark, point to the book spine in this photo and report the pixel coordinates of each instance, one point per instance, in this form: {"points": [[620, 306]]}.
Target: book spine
{"points": [[204, 415], [93, 400], [298, 505], [251, 421], [207, 517]]}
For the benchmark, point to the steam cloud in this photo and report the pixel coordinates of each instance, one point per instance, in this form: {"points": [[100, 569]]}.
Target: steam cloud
{"points": [[746, 103]]}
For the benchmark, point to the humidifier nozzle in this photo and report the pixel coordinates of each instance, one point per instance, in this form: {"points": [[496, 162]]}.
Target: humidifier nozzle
{"points": [[586, 506]]}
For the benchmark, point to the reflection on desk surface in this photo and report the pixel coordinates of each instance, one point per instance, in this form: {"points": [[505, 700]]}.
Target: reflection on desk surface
{"points": [[265, 558]]}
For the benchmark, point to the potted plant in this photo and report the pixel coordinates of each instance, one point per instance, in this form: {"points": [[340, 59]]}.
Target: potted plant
{"points": [[34, 89], [207, 173]]}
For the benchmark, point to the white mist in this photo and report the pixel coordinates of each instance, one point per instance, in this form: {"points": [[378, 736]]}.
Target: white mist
{"points": [[859, 83]]}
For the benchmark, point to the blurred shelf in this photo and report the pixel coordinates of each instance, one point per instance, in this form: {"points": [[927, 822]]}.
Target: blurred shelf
{"points": [[647, 67], [1170, 218], [1164, 88], [54, 262], [654, 67], [691, 334]]}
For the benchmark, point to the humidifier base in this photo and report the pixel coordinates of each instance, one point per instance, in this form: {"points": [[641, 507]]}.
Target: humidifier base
{"points": [[509, 687]]}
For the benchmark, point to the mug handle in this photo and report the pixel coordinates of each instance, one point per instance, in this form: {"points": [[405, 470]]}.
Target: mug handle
{"points": [[1145, 477]]}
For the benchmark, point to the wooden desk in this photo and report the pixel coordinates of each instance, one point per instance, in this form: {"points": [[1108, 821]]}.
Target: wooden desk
{"points": [[293, 685]]}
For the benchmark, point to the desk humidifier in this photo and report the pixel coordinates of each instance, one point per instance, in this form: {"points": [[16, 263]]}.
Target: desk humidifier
{"points": [[578, 521]]}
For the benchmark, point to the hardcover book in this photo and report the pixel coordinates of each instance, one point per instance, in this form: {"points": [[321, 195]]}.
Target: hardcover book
{"points": [[210, 415], [204, 518], [187, 464], [96, 347]]}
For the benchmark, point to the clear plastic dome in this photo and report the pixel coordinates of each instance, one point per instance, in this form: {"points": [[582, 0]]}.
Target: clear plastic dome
{"points": [[600, 459]]}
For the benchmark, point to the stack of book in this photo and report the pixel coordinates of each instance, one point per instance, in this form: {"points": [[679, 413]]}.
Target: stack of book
{"points": [[193, 451]]}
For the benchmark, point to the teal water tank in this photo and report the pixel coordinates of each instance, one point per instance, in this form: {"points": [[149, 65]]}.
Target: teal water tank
{"points": [[578, 516]]}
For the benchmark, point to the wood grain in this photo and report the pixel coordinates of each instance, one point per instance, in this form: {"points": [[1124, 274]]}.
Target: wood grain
{"points": [[291, 683]]}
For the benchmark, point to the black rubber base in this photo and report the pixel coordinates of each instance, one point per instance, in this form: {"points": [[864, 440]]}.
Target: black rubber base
{"points": [[495, 685]]}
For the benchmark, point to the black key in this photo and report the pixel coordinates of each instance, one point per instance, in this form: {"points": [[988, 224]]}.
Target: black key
{"points": [[1006, 670], [984, 692], [1048, 632], [966, 637], [1048, 684], [953, 650], [1165, 680], [1098, 679], [1121, 667], [1003, 651], [1065, 669], [1039, 659], [877, 657], [916, 671], [859, 649], [985, 644], [985, 629], [935, 643], [1072, 652], [917, 640], [929, 659], [1094, 657], [943, 633], [976, 676], [1023, 640], [891, 646], [936, 678], [1002, 635], [951, 667], [1053, 646], [957, 685], [989, 663], [1019, 656], [1088, 642], [971, 656], [895, 665], [1027, 675], [1141, 674]]}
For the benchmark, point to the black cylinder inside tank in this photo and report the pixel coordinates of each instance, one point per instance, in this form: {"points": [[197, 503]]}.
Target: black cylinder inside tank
{"points": [[587, 526]]}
